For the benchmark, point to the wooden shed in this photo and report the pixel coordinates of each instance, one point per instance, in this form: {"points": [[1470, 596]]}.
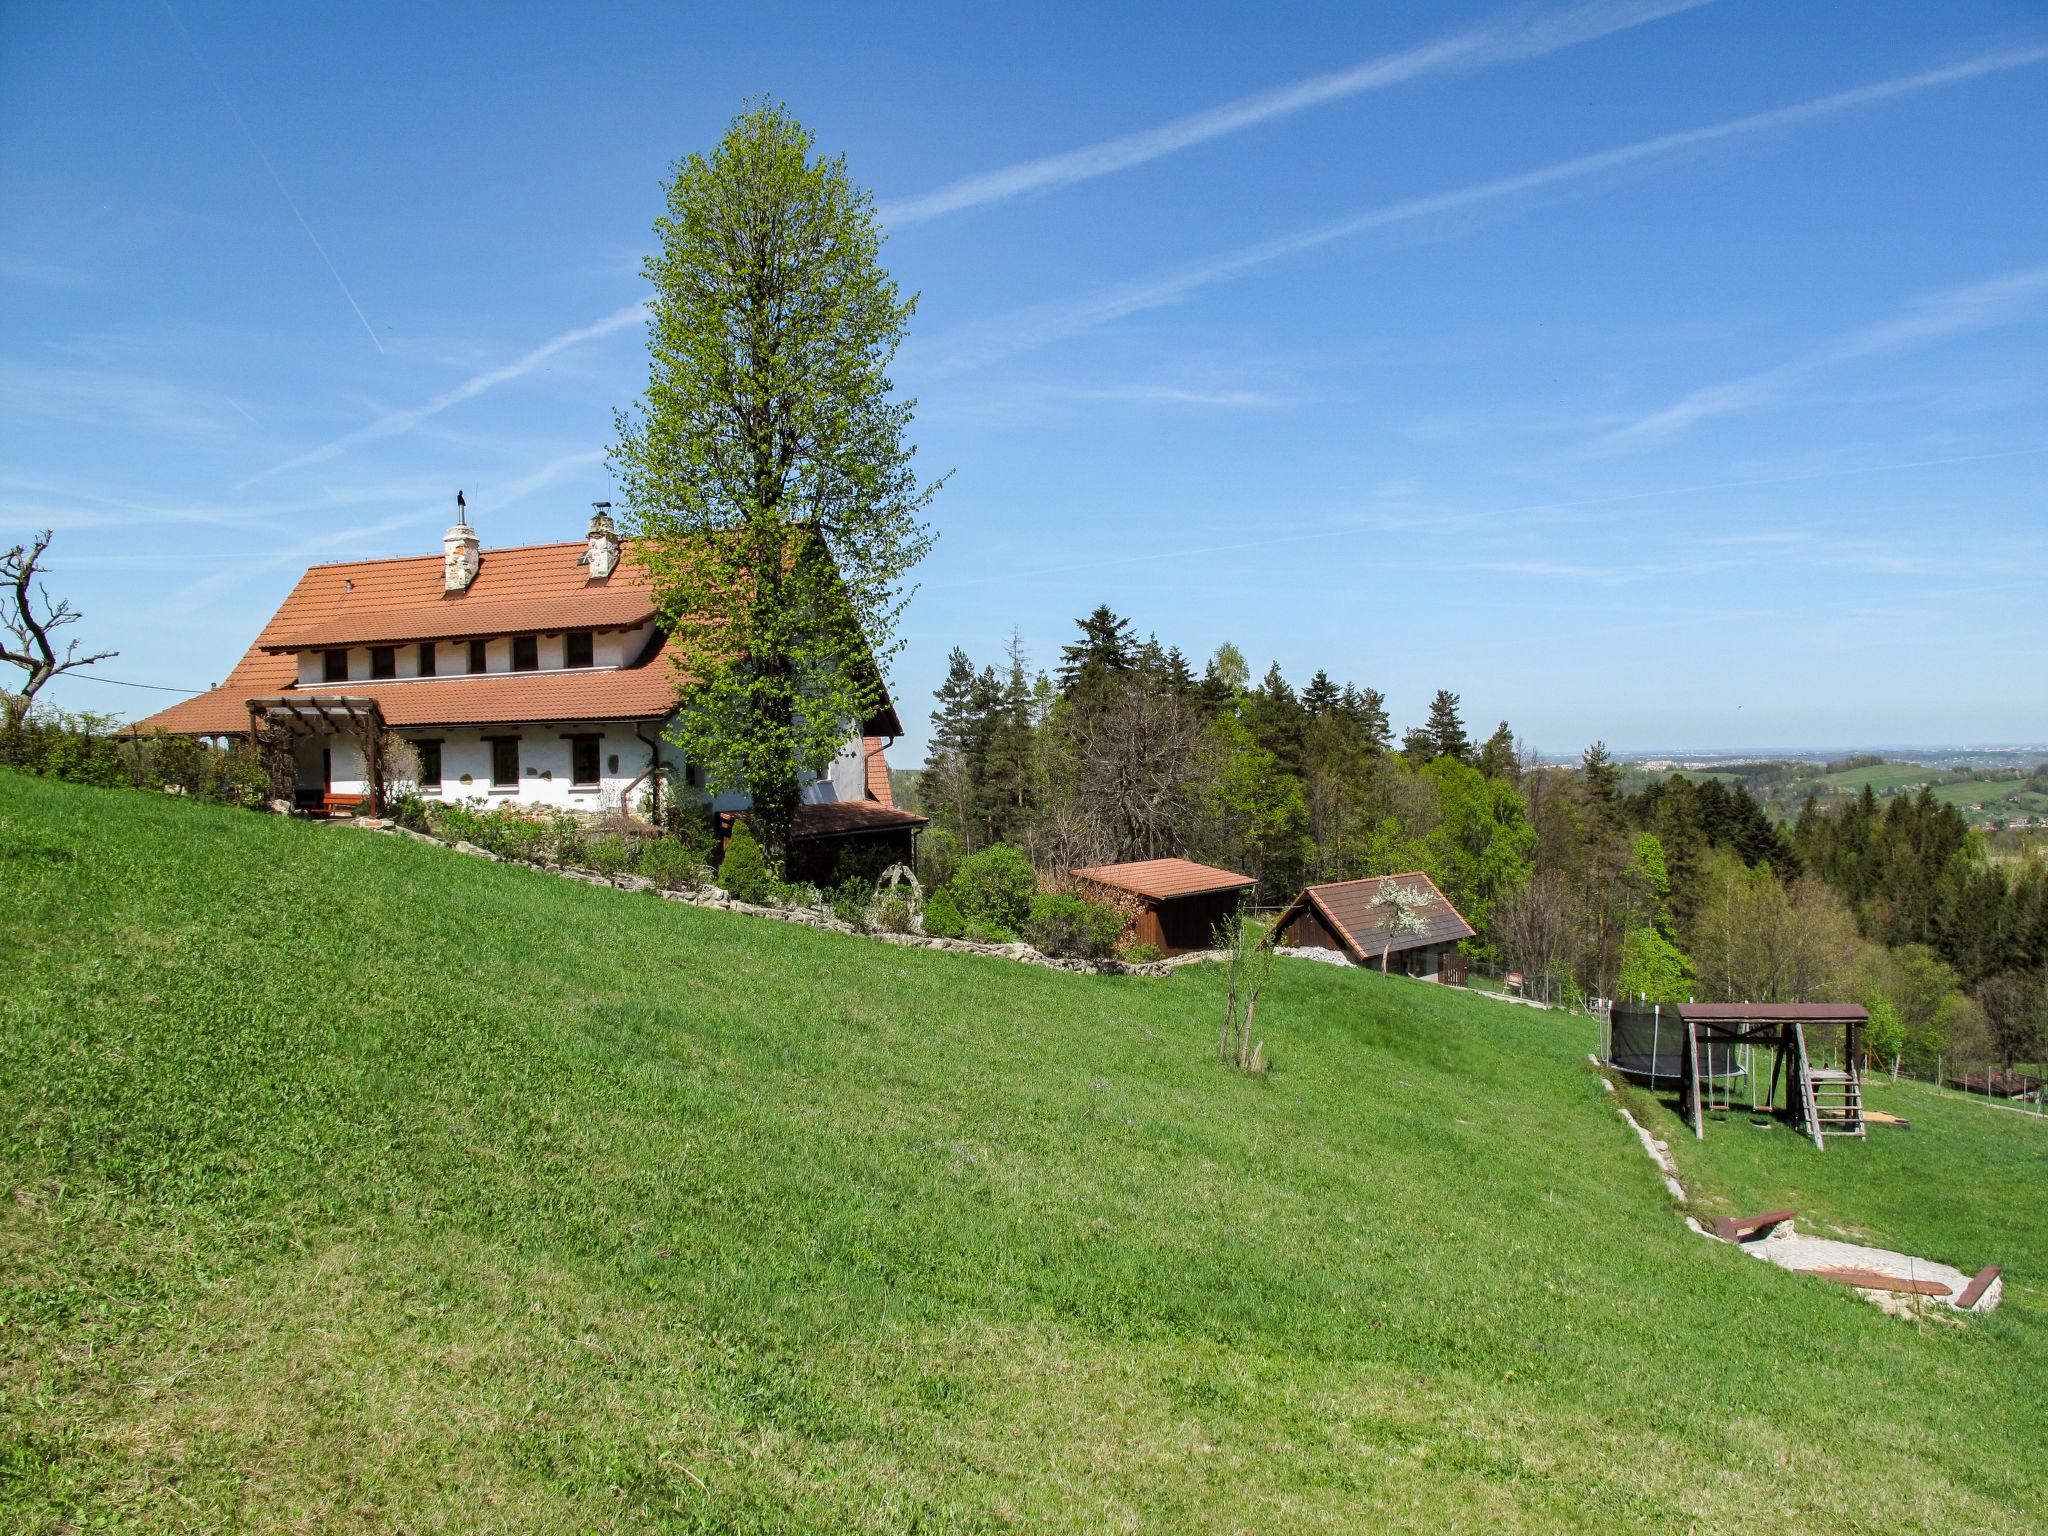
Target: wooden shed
{"points": [[1180, 903], [1355, 918]]}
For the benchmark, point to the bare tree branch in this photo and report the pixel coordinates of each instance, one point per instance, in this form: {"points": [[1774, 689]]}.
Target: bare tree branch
{"points": [[30, 644]]}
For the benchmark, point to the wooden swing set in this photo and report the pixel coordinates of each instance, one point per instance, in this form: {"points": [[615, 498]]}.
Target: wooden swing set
{"points": [[1823, 1102]]}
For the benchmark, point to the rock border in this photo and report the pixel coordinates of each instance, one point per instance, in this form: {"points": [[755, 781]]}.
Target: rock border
{"points": [[711, 898]]}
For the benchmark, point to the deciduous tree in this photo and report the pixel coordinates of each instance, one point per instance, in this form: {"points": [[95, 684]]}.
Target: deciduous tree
{"points": [[766, 467]]}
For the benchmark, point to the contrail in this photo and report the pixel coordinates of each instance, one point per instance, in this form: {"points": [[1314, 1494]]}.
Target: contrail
{"points": [[275, 180], [1953, 312], [1040, 324], [1502, 40], [469, 389], [1453, 519]]}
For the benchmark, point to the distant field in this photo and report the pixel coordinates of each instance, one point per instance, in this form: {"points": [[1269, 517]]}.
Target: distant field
{"points": [[1882, 777]]}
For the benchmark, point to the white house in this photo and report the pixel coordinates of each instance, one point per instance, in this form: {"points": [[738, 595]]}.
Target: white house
{"points": [[535, 675]]}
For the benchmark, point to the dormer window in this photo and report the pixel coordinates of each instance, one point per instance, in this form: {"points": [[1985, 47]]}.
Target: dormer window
{"points": [[578, 650], [479, 655], [383, 661], [526, 653], [334, 666]]}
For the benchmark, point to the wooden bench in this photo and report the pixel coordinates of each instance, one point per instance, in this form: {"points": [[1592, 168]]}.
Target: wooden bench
{"points": [[1734, 1229], [1877, 1280], [1974, 1291], [332, 804]]}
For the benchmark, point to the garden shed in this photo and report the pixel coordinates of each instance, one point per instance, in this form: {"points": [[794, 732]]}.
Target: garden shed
{"points": [[1179, 903], [1394, 922]]}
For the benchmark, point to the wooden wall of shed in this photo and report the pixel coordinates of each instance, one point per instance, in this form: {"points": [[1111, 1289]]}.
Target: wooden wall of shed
{"points": [[1307, 930], [1187, 923]]}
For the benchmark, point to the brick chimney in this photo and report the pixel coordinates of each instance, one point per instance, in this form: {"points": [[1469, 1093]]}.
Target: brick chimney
{"points": [[463, 554], [602, 555]]}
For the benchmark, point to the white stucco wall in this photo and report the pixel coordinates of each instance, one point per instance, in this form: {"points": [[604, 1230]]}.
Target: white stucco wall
{"points": [[545, 768], [451, 657]]}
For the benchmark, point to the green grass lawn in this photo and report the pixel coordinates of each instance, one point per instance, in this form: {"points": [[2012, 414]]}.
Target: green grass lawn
{"points": [[355, 1185]]}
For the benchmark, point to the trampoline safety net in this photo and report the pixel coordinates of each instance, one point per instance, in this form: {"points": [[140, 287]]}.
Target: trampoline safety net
{"points": [[1648, 1046]]}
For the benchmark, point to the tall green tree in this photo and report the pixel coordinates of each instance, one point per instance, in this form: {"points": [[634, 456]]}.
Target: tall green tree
{"points": [[1446, 728], [766, 467], [1104, 650]]}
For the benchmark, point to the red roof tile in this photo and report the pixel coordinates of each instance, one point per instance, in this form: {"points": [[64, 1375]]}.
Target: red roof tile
{"points": [[363, 596], [456, 618], [1164, 879], [877, 771], [1363, 923]]}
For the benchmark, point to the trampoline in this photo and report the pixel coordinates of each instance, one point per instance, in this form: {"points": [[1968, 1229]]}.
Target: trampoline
{"points": [[1647, 1046]]}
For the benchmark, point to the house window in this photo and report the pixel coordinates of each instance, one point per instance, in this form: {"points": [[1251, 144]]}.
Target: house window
{"points": [[427, 659], [479, 655], [383, 661], [335, 666], [526, 654], [430, 763], [583, 751], [504, 762], [578, 651]]}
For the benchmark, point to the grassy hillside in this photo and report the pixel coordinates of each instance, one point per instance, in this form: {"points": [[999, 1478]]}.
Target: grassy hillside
{"points": [[358, 1186]]}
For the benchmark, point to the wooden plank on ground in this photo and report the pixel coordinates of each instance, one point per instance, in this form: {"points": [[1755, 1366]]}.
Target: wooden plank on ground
{"points": [[1877, 1280], [1974, 1291], [1734, 1229]]}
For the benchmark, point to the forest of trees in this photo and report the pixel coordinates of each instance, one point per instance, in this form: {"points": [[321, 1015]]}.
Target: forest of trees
{"points": [[1684, 889]]}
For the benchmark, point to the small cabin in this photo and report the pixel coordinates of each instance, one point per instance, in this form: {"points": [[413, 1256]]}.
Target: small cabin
{"points": [[1360, 919], [1180, 904]]}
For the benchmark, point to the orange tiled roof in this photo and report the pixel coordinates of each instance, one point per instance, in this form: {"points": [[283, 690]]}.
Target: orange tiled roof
{"points": [[1164, 879], [363, 596], [457, 619], [877, 771]]}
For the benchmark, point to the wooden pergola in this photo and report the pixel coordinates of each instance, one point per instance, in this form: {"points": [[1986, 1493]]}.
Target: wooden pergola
{"points": [[275, 723]]}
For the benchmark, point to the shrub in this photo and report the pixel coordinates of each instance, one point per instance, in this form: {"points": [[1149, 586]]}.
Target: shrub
{"points": [[938, 858], [895, 912], [1072, 926], [988, 933], [672, 864], [851, 901], [942, 918], [994, 887], [410, 811], [1138, 954], [609, 855], [744, 873]]}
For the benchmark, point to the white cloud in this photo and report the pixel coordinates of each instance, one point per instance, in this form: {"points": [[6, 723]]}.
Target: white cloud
{"points": [[1504, 39]]}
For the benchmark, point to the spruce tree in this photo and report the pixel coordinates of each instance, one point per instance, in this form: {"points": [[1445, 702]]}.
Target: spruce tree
{"points": [[1104, 649], [1320, 697]]}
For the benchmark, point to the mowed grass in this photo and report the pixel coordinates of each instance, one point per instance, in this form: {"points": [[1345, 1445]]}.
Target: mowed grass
{"points": [[354, 1185], [1963, 1183]]}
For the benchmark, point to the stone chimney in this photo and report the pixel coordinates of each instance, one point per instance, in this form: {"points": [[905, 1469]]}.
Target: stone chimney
{"points": [[463, 555], [603, 554]]}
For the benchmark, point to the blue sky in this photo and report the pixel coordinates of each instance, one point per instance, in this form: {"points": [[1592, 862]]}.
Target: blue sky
{"points": [[1668, 373]]}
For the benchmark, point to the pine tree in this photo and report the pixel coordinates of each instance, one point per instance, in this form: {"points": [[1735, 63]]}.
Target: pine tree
{"points": [[1602, 779], [1104, 649], [1447, 736], [1497, 759], [1367, 709], [1278, 724]]}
